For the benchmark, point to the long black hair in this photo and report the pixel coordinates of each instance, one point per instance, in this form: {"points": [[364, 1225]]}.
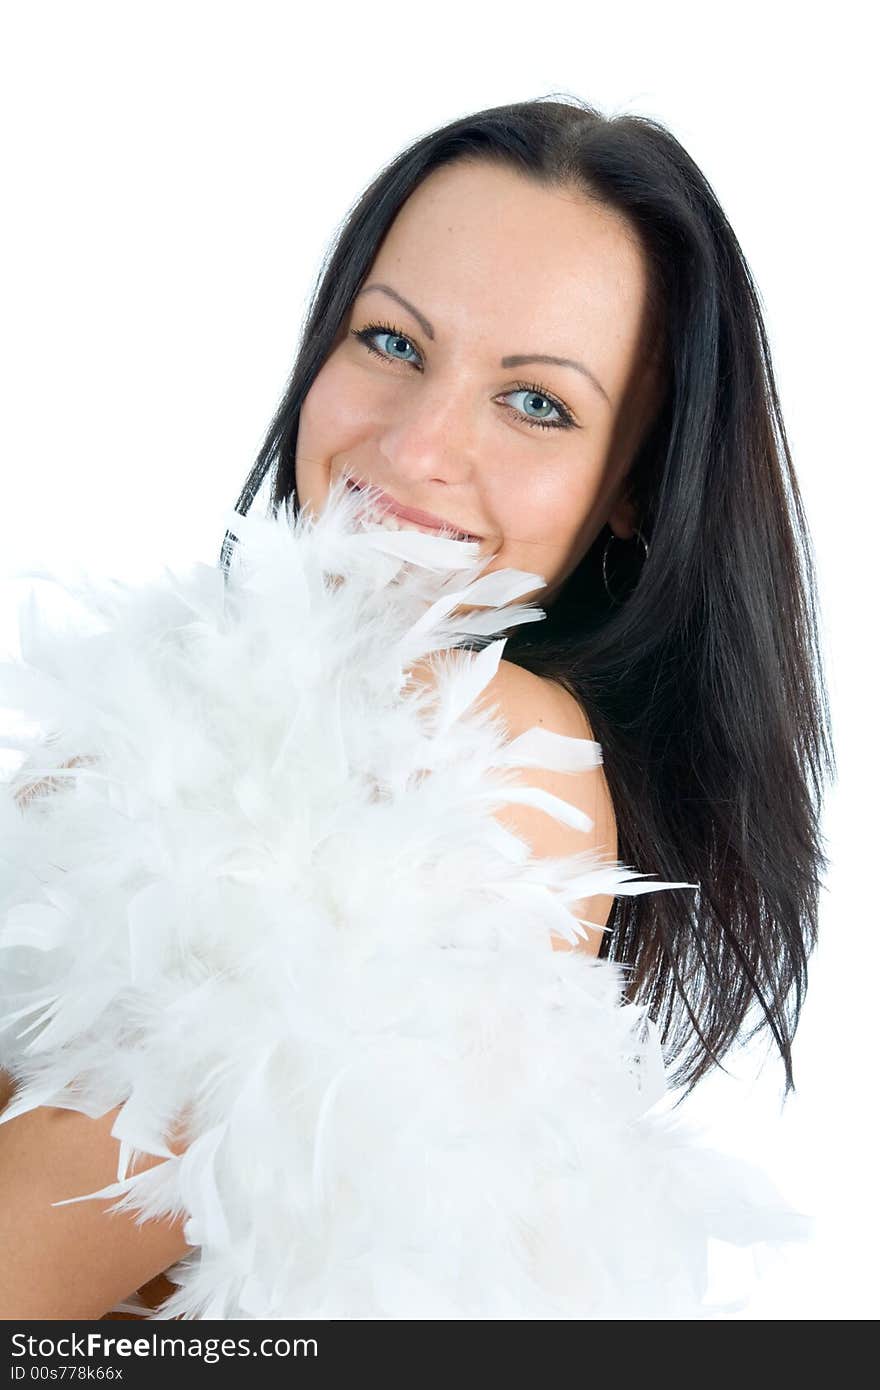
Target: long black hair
{"points": [[699, 667]]}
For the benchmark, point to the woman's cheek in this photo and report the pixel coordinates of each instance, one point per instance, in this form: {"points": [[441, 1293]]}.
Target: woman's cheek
{"points": [[341, 405]]}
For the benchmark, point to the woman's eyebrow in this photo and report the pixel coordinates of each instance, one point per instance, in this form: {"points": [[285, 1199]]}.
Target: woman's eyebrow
{"points": [[426, 326], [516, 360]]}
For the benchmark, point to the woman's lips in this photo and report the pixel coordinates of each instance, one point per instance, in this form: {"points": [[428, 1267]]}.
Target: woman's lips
{"points": [[426, 519]]}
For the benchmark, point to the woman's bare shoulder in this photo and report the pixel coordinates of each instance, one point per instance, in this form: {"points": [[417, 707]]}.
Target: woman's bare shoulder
{"points": [[526, 699]]}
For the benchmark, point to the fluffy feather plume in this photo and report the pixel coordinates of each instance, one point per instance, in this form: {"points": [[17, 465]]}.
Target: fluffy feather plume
{"points": [[270, 900]]}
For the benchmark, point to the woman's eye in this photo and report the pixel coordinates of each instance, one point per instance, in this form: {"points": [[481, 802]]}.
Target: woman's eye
{"points": [[533, 393], [382, 330]]}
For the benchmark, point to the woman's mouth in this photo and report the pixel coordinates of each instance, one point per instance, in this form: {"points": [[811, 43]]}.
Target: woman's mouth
{"points": [[395, 517]]}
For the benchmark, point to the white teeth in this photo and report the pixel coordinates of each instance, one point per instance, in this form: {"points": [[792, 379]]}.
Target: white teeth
{"points": [[389, 522]]}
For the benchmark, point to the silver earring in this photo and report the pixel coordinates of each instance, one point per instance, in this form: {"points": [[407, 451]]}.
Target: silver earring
{"points": [[613, 537]]}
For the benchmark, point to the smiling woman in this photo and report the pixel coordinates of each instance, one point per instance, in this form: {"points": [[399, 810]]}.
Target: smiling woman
{"points": [[429, 411], [409, 931], [642, 474]]}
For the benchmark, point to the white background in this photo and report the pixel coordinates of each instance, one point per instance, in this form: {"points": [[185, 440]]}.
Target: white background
{"points": [[172, 175]]}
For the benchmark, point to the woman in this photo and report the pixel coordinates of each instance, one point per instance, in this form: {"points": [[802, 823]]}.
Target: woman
{"points": [[537, 327], [664, 509]]}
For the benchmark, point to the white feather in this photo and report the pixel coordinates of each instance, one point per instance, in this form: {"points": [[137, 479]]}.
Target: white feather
{"points": [[275, 900]]}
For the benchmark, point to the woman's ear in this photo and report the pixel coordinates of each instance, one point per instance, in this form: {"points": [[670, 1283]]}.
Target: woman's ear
{"points": [[623, 517]]}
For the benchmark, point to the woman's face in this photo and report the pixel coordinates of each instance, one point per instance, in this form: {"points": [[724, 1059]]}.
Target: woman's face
{"points": [[481, 272]]}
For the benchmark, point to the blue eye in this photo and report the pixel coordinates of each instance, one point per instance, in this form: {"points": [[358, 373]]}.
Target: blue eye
{"points": [[365, 336]]}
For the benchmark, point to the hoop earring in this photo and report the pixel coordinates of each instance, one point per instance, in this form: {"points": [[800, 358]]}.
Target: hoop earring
{"points": [[613, 537]]}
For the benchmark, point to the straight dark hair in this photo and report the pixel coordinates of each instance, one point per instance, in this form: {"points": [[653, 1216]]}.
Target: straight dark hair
{"points": [[701, 671]]}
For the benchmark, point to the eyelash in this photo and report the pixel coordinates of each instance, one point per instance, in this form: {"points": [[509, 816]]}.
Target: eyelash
{"points": [[566, 422]]}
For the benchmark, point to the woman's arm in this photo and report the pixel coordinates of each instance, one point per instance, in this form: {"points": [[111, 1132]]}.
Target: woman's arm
{"points": [[74, 1261]]}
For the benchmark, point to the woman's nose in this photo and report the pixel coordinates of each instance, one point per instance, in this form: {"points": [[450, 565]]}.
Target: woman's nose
{"points": [[432, 434]]}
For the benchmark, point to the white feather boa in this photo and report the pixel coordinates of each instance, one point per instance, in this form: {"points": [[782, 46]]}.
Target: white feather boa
{"points": [[274, 899]]}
